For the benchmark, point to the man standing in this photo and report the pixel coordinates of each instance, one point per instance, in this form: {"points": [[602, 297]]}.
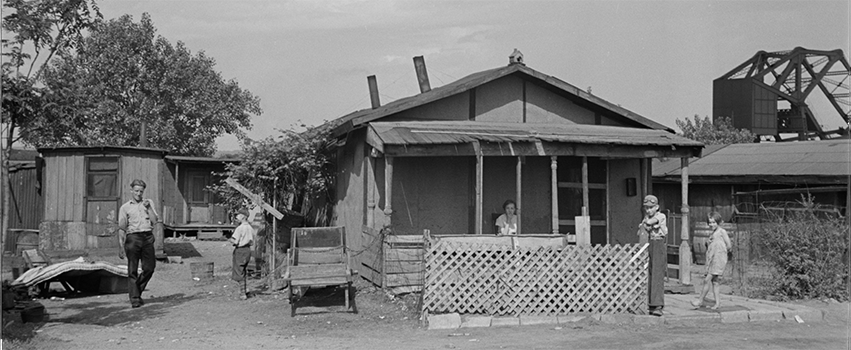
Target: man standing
{"points": [[242, 239], [136, 238]]}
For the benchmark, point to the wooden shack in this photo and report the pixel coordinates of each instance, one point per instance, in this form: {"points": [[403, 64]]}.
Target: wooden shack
{"points": [[83, 188], [446, 159]]}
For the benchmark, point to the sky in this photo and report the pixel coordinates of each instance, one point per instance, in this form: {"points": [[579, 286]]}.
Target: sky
{"points": [[308, 61]]}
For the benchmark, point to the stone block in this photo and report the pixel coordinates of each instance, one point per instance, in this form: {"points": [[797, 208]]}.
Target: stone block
{"points": [[533, 320], [505, 321], [571, 318], [475, 321], [616, 318], [444, 321], [648, 320], [806, 314], [765, 315], [735, 316]]}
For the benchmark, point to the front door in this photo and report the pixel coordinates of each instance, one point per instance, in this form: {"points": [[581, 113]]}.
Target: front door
{"points": [[198, 198]]}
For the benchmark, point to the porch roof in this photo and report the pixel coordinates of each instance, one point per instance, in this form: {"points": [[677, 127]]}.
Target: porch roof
{"points": [[507, 139]]}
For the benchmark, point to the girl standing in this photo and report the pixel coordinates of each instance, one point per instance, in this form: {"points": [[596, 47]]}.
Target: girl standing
{"points": [[716, 259]]}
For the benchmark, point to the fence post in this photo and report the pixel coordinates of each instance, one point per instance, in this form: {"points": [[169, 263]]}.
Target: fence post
{"points": [[685, 248]]}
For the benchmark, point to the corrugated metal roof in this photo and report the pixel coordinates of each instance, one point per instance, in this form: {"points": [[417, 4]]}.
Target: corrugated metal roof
{"points": [[476, 79], [820, 158], [456, 132], [189, 159]]}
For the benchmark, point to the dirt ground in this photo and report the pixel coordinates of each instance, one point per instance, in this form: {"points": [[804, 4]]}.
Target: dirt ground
{"points": [[181, 313]]}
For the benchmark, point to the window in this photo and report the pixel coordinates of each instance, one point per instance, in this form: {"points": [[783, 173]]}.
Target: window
{"points": [[102, 178]]}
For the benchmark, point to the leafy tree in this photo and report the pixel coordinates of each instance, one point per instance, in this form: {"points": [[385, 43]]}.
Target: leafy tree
{"points": [[123, 77], [714, 132], [294, 167], [34, 31]]}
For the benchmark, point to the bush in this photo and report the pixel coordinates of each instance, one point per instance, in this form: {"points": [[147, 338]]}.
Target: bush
{"points": [[809, 252]]}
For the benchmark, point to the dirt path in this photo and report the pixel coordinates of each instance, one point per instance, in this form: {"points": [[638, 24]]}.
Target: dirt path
{"points": [[181, 313]]}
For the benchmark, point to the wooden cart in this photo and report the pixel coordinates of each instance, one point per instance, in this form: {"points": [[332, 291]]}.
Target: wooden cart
{"points": [[318, 258]]}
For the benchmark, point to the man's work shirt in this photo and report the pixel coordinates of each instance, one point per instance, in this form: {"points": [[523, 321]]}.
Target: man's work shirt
{"points": [[243, 236], [133, 217], [658, 231]]}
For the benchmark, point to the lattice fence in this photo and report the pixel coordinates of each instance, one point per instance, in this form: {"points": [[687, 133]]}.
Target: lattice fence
{"points": [[473, 278]]}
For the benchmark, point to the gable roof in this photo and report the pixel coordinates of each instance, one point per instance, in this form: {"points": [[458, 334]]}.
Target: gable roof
{"points": [[803, 158], [358, 118]]}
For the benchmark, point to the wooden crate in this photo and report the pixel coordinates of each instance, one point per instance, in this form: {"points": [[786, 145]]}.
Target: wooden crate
{"points": [[495, 279], [392, 262]]}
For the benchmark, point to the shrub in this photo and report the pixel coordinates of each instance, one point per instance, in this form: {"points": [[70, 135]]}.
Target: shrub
{"points": [[809, 251]]}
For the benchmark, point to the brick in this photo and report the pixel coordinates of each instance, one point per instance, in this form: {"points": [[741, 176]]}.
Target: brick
{"points": [[475, 321], [444, 321], [532, 320], [505, 321], [735, 316]]}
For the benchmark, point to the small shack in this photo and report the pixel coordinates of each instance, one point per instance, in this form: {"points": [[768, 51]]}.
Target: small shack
{"points": [[83, 188], [446, 159]]}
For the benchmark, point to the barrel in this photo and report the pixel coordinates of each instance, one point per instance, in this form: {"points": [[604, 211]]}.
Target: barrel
{"points": [[700, 241], [201, 270]]}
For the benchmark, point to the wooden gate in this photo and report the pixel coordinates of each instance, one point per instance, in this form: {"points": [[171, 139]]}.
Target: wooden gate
{"points": [[476, 278]]}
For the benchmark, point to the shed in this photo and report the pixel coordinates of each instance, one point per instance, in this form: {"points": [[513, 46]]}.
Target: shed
{"points": [[732, 179], [446, 159], [83, 188]]}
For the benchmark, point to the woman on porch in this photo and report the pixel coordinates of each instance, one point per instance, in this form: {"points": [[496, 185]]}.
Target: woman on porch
{"points": [[507, 222]]}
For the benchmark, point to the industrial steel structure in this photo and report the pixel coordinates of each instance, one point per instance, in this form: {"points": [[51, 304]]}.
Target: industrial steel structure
{"points": [[767, 94]]}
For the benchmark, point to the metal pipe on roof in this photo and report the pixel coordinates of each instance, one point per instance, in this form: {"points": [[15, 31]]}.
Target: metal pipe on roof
{"points": [[422, 74], [373, 91]]}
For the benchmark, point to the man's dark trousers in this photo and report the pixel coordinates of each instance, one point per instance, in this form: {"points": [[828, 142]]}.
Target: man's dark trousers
{"points": [[139, 246]]}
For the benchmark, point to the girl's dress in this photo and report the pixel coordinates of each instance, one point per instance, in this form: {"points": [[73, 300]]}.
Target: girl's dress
{"points": [[716, 254]]}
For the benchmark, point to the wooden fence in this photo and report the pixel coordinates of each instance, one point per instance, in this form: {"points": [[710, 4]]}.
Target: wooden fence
{"points": [[392, 262], [480, 278]]}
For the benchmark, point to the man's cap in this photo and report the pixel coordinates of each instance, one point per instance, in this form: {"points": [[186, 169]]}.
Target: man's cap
{"points": [[243, 212], [651, 200]]}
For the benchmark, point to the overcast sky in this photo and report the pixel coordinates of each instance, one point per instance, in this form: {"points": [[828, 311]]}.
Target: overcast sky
{"points": [[308, 60]]}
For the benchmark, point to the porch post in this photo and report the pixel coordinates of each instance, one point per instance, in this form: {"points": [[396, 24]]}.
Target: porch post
{"points": [[519, 194], [388, 186], [685, 251], [554, 182], [479, 182], [370, 191], [585, 200]]}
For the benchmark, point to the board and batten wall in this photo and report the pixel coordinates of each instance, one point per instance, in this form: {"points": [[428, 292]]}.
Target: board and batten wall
{"points": [[65, 225]]}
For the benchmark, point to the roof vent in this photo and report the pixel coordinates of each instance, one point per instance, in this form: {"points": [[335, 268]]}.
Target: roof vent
{"points": [[516, 57]]}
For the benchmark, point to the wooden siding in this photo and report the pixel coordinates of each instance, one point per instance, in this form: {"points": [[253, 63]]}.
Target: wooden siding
{"points": [[350, 194], [431, 193], [173, 200], [500, 100], [64, 187], [544, 106], [145, 168], [26, 204], [624, 211]]}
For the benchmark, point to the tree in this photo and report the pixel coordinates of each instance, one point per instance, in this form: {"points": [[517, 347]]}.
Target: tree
{"points": [[294, 167], [38, 30], [717, 132], [123, 78]]}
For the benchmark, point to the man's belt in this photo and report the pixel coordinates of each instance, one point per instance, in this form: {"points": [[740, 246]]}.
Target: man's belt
{"points": [[141, 233]]}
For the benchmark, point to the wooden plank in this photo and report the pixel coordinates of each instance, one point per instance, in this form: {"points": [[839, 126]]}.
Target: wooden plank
{"points": [[50, 188], [307, 257], [403, 254], [257, 199], [404, 239], [65, 203], [393, 267], [370, 275], [490, 149], [388, 185], [314, 271], [518, 177], [403, 279], [320, 281], [479, 190], [79, 188], [554, 189]]}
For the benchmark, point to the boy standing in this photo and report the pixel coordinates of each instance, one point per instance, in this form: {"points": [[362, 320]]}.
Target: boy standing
{"points": [[242, 239], [654, 228]]}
